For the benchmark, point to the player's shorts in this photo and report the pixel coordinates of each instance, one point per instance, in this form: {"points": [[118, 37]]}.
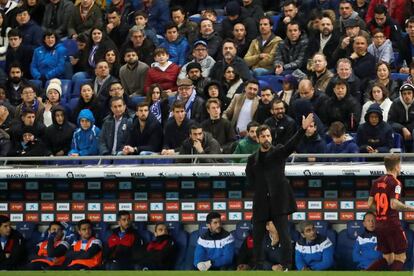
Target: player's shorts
{"points": [[391, 240]]}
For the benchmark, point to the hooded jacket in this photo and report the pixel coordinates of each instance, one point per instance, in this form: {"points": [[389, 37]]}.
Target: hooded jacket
{"points": [[85, 142], [379, 137], [222, 96], [48, 61], [178, 50], [63, 131], [401, 115], [149, 139]]}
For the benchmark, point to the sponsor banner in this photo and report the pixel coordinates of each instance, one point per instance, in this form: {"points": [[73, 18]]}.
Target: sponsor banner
{"points": [[32, 206], [219, 206], [359, 215], [156, 217], [330, 205], [235, 205], [47, 217], [362, 194], [156, 185], [409, 215], [94, 185], [203, 206], [202, 216], [315, 193], [109, 185], [362, 184], [156, 196], [409, 202], [330, 194], [219, 184], [347, 205], [172, 185], [95, 217], [78, 185], [187, 206], [219, 194], [235, 194], [188, 217], [172, 217], [141, 196], [248, 205], [3, 186], [3, 207], [47, 196], [78, 206], [63, 196], [141, 206], [156, 206], [31, 217], [223, 216], [187, 185], [31, 195], [94, 206], [16, 207], [299, 216], [109, 217], [32, 185], [409, 183], [314, 215], [301, 204], [125, 206], [315, 183], [16, 217], [47, 206], [109, 207], [125, 185], [330, 216], [172, 195], [298, 183], [78, 217], [78, 196], [62, 217], [361, 204], [125, 196], [227, 174], [248, 216], [141, 217], [312, 205], [172, 206], [16, 186], [237, 216], [203, 185], [346, 194], [346, 216]]}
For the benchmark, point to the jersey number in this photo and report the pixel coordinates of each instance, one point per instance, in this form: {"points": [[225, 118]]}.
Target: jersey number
{"points": [[381, 201]]}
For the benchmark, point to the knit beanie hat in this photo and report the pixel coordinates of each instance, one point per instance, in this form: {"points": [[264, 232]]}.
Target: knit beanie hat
{"points": [[55, 84]]}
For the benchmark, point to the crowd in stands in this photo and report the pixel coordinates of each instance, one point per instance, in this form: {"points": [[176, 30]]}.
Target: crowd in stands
{"points": [[126, 248], [188, 77]]}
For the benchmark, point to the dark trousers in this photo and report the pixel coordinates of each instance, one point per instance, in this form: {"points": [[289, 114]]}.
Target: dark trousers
{"points": [[282, 226]]}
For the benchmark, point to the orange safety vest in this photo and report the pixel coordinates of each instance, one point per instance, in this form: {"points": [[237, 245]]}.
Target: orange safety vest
{"points": [[43, 253], [92, 262]]}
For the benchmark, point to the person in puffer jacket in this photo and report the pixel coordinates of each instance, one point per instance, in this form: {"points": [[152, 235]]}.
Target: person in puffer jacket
{"points": [[49, 59], [313, 251], [374, 135], [365, 251], [215, 248], [176, 45], [85, 139]]}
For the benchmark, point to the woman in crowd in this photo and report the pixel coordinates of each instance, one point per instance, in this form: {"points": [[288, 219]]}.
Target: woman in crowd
{"points": [[87, 100], [232, 82], [378, 94], [158, 101], [383, 73]]}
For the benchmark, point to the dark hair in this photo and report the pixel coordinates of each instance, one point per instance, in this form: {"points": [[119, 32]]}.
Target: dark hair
{"points": [[337, 129], [229, 40], [252, 124], [408, 21], [55, 223], [177, 104], [160, 50], [290, 2], [142, 104], [50, 33], [367, 214], [211, 216], [294, 22], [304, 224], [129, 50], [251, 81], [82, 222], [213, 100], [346, 2], [116, 98], [391, 161], [87, 83], [341, 82], [170, 25], [380, 9], [4, 219], [268, 18], [236, 74], [195, 125], [163, 95], [262, 128], [277, 101], [383, 88], [178, 8], [28, 86], [210, 10], [28, 111], [141, 13], [14, 32], [159, 224], [15, 64], [112, 10], [122, 213]]}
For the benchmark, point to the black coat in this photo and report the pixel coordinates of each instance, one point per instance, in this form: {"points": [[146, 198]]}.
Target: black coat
{"points": [[273, 194], [282, 130], [64, 132], [315, 44], [149, 139], [15, 246]]}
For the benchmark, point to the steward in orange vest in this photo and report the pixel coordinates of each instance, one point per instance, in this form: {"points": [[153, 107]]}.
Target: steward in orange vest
{"points": [[85, 253], [51, 252]]}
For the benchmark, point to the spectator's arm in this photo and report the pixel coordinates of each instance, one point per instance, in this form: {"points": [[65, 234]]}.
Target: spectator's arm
{"points": [[103, 147], [327, 256], [227, 254], [59, 68], [199, 254], [299, 260], [82, 254], [93, 148], [251, 58], [57, 251], [356, 252]]}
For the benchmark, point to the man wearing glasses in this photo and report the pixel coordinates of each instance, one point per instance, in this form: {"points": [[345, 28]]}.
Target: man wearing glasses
{"points": [[201, 56]]}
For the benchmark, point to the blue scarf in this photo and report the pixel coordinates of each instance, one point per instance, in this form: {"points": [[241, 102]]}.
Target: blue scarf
{"points": [[156, 110]]}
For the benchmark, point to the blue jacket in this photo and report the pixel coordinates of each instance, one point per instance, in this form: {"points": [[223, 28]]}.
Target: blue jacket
{"points": [[177, 50], [219, 248], [365, 251], [317, 255], [48, 62], [312, 144], [158, 14], [349, 146], [86, 142]]}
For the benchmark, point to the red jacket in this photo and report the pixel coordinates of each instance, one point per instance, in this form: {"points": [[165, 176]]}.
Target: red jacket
{"points": [[166, 79], [395, 10]]}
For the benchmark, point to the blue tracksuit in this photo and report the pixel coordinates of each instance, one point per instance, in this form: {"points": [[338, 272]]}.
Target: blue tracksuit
{"points": [[316, 255], [86, 142], [365, 251]]}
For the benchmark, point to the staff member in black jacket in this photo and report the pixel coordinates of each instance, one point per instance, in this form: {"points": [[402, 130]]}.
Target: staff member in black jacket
{"points": [[273, 199]]}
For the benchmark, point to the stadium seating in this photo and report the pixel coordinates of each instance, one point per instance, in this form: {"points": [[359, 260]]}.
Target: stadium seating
{"points": [[192, 242], [76, 87], [346, 240], [324, 228], [274, 81], [399, 76], [180, 236], [141, 228], [240, 233], [409, 263], [29, 231], [102, 231], [275, 19]]}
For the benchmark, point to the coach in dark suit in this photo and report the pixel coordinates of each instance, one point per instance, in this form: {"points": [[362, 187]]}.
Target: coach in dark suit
{"points": [[273, 198]]}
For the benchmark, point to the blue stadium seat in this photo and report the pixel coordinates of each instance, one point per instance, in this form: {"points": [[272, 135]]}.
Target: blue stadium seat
{"points": [[72, 104], [263, 84], [324, 228], [37, 84], [399, 76], [71, 47], [398, 141], [102, 231], [274, 81], [240, 233], [346, 240], [134, 100], [141, 228], [192, 242], [195, 18], [409, 263], [66, 87], [180, 236], [294, 234], [275, 19]]}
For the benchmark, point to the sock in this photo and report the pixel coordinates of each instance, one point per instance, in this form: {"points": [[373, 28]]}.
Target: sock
{"points": [[379, 264], [396, 266]]}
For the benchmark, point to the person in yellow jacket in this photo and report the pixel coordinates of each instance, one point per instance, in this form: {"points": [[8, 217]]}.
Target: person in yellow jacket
{"points": [[50, 252], [86, 252]]}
